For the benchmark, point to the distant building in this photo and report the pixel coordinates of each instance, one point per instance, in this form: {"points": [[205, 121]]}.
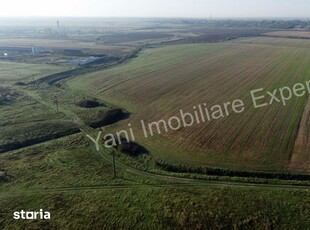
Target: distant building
{"points": [[7, 49], [36, 50], [86, 61], [73, 52]]}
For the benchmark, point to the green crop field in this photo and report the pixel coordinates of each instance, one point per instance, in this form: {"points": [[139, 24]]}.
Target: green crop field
{"points": [[164, 80]]}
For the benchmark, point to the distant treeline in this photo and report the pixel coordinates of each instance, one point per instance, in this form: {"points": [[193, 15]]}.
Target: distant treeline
{"points": [[230, 173], [254, 23]]}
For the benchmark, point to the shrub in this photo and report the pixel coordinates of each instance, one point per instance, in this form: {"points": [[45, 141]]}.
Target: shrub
{"points": [[109, 117], [88, 104], [4, 176], [130, 148]]}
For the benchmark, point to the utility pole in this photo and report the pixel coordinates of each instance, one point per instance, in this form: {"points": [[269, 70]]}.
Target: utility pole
{"points": [[113, 159], [34, 83], [113, 153]]}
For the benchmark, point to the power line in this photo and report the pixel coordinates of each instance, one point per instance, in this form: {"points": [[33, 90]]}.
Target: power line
{"points": [[56, 101]]}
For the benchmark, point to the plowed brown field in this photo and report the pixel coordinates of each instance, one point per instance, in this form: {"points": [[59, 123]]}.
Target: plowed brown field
{"points": [[162, 81]]}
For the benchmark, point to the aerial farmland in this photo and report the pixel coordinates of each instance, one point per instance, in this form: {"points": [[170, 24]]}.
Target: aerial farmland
{"points": [[113, 123]]}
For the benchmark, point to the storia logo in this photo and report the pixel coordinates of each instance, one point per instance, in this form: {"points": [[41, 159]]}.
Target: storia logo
{"points": [[25, 215]]}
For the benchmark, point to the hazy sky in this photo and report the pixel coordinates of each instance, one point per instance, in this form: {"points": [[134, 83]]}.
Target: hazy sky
{"points": [[156, 8]]}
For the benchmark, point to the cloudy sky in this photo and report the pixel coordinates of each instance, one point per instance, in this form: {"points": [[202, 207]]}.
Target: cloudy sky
{"points": [[156, 8]]}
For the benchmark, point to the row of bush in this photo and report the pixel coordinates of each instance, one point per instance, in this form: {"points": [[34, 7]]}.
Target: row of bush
{"points": [[130, 148], [109, 117], [88, 103], [231, 173], [18, 144]]}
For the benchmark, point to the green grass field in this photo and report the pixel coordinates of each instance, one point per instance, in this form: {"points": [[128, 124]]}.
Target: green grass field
{"points": [[12, 72], [161, 81], [70, 179], [25, 119]]}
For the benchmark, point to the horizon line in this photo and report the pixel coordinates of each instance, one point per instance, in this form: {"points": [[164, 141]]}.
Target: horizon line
{"points": [[156, 17]]}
